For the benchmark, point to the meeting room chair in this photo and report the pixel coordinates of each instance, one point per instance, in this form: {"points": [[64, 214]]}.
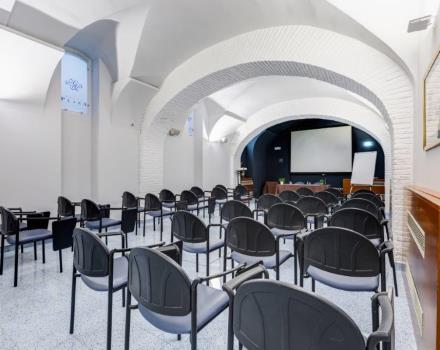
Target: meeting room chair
{"points": [[363, 191], [220, 195], [168, 299], [371, 197], [97, 217], [338, 193], [37, 231], [269, 314], [197, 238], [241, 193], [100, 270], [129, 200], [329, 199], [286, 221], [62, 236], [264, 203], [153, 207], [168, 199], [201, 195], [192, 201], [233, 209], [290, 196], [304, 191], [342, 259], [360, 203], [250, 242], [66, 208], [314, 209], [368, 225]]}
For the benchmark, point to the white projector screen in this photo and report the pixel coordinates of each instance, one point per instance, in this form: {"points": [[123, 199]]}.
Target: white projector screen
{"points": [[325, 150]]}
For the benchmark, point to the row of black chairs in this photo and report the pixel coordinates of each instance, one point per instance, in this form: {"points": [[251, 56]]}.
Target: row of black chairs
{"points": [[263, 314]]}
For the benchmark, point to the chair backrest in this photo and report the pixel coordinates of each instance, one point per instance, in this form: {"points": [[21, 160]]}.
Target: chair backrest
{"points": [[65, 207], [222, 187], [90, 255], [250, 237], [219, 193], [336, 192], [189, 197], [167, 195], [286, 217], [233, 209], [188, 227], [304, 191], [360, 203], [38, 220], [158, 283], [288, 195], [128, 220], [266, 200], [358, 220], [197, 191], [327, 197], [152, 202], [90, 211], [363, 191], [341, 251], [311, 205], [129, 200], [62, 232], [10, 223], [276, 315], [241, 190], [372, 198]]}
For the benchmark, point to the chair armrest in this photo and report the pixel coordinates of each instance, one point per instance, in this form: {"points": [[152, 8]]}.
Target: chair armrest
{"points": [[110, 234], [386, 247], [384, 222], [217, 275], [120, 250], [256, 270], [215, 225], [40, 218], [383, 331]]}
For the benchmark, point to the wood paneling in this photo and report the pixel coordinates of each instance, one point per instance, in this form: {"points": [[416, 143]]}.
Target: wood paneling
{"points": [[424, 205], [377, 187]]}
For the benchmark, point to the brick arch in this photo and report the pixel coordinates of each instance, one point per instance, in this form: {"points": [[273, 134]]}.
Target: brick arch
{"points": [[293, 51]]}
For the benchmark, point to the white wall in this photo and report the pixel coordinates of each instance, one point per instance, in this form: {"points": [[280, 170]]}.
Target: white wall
{"points": [[426, 164]]}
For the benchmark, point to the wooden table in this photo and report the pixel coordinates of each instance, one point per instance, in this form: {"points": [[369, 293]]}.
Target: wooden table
{"points": [[270, 187], [293, 187]]}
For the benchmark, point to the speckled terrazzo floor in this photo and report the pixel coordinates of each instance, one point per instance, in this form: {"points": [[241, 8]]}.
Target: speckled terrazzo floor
{"points": [[35, 315]]}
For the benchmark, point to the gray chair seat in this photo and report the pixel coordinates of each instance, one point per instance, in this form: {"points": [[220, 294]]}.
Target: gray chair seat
{"points": [[22, 226], [157, 213], [106, 222], [192, 207], [221, 201], [279, 232], [245, 198], [210, 302], [141, 209], [169, 204], [347, 283], [269, 262], [120, 276], [375, 241], [214, 244], [27, 236]]}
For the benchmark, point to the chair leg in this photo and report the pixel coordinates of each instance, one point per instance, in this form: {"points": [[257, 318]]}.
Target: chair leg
{"points": [[240, 346], [109, 318], [35, 250], [2, 254], [154, 223], [22, 248], [197, 262], [145, 215], [313, 285], [193, 336], [60, 254], [123, 297], [161, 227], [72, 301], [16, 264], [230, 328], [43, 249], [179, 337], [127, 321], [207, 266], [393, 267]]}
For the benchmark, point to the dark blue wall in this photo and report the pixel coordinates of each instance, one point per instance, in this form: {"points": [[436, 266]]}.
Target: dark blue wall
{"points": [[266, 164]]}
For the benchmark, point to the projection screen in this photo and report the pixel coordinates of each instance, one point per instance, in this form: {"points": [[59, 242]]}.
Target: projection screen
{"points": [[325, 150]]}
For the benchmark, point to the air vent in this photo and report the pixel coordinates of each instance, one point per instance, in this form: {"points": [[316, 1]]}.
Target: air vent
{"points": [[415, 299], [417, 233], [418, 24]]}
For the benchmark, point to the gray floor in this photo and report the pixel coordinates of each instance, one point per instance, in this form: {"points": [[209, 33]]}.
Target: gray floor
{"points": [[35, 315]]}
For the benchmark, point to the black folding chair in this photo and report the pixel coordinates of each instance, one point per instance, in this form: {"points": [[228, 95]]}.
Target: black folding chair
{"points": [[129, 200], [233, 209], [168, 199], [264, 203], [329, 199], [275, 315], [252, 242], [304, 191], [286, 221], [315, 208], [97, 217], [195, 235], [154, 208], [242, 194], [66, 208], [336, 192], [168, 299], [290, 196], [368, 225]]}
